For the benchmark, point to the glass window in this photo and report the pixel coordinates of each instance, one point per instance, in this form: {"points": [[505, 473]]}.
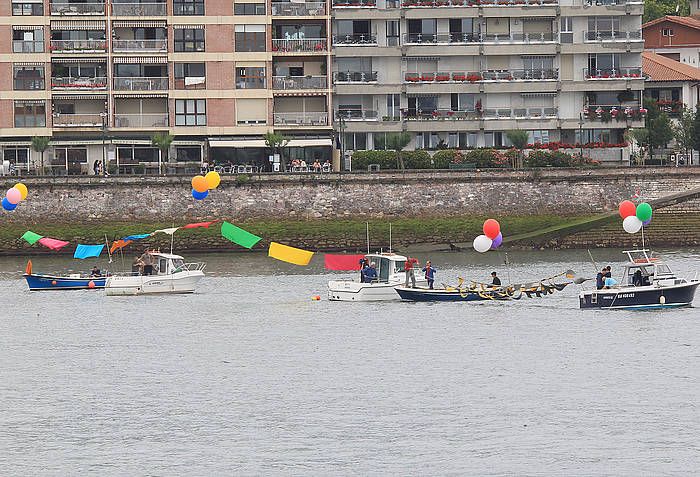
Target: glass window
{"points": [[392, 33], [538, 136], [28, 41], [18, 156], [250, 38], [393, 105], [188, 7], [249, 9], [467, 140], [20, 8], [30, 114], [188, 39], [188, 154], [250, 77], [28, 77], [190, 75], [190, 112]]}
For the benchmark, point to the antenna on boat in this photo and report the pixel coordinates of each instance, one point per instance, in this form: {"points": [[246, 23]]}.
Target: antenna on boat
{"points": [[367, 224], [390, 251], [172, 239]]}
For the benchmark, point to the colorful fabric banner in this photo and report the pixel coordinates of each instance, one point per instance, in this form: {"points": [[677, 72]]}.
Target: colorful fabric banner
{"points": [[136, 237], [343, 262], [31, 237], [117, 244], [87, 251], [238, 235], [199, 224], [169, 231], [288, 254], [53, 244]]}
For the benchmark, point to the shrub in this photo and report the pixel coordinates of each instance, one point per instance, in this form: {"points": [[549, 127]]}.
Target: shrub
{"points": [[542, 158], [443, 159], [387, 159]]}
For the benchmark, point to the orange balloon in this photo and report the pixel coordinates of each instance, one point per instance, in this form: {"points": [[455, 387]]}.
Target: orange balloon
{"points": [[199, 183]]}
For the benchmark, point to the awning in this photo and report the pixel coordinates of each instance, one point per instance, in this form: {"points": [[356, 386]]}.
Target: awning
{"points": [[131, 142], [141, 95], [78, 60], [310, 142], [241, 143], [78, 25], [79, 96], [27, 102], [28, 63], [144, 59], [187, 27], [27, 27], [139, 24], [421, 58], [538, 95]]}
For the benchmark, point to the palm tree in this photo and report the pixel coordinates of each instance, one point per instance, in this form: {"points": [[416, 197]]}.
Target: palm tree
{"points": [[519, 139], [163, 141], [397, 142], [277, 142], [41, 144]]}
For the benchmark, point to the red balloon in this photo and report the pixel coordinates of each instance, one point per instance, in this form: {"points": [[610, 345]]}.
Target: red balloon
{"points": [[627, 208], [492, 228]]}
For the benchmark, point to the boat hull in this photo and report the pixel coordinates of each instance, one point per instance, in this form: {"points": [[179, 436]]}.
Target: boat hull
{"points": [[347, 290], [425, 294], [53, 282], [183, 282], [649, 297]]}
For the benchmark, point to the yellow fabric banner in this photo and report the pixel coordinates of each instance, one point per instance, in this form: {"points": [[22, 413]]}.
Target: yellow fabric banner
{"points": [[289, 254]]}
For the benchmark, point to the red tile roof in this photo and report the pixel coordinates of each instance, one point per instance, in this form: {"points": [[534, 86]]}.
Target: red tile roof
{"points": [[687, 21], [660, 68]]}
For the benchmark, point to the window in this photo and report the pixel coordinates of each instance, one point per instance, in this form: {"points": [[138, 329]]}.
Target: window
{"points": [[190, 112], [422, 30], [249, 9], [28, 78], [493, 139], [422, 139], [72, 158], [250, 77], [30, 114], [453, 140], [251, 111], [190, 75], [566, 30], [28, 41], [188, 7], [667, 32], [189, 39], [538, 136], [462, 101], [20, 8], [392, 33], [188, 154], [355, 141], [135, 155], [467, 140], [18, 156], [250, 38], [603, 62]]}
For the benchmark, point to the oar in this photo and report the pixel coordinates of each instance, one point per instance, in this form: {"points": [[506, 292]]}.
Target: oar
{"points": [[579, 281]]}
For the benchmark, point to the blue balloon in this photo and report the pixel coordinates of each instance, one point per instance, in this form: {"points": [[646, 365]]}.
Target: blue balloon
{"points": [[199, 195], [7, 205], [646, 222]]}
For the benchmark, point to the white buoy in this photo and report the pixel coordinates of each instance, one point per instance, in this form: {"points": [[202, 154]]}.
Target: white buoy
{"points": [[662, 300]]}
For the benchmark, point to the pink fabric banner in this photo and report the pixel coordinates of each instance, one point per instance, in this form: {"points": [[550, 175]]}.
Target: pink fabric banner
{"points": [[53, 244], [343, 262]]}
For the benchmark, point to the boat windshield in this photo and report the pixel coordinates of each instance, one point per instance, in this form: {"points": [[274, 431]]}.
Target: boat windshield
{"points": [[178, 265], [639, 275], [663, 269]]}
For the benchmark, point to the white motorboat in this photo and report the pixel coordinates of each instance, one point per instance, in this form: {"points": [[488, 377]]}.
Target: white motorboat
{"points": [[170, 274], [390, 274]]}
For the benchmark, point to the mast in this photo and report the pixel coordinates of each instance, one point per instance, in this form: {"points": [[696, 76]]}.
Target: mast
{"points": [[367, 224], [389, 237]]}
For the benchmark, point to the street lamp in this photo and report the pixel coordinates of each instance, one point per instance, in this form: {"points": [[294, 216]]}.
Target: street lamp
{"points": [[580, 133], [341, 125], [103, 116]]}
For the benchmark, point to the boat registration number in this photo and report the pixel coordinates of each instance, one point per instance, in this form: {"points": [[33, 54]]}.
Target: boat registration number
{"points": [[626, 295]]}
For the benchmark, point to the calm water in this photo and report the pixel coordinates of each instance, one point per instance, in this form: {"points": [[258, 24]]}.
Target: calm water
{"points": [[250, 376]]}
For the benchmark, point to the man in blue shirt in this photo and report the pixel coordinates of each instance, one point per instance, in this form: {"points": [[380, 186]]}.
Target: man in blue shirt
{"points": [[429, 274], [370, 273]]}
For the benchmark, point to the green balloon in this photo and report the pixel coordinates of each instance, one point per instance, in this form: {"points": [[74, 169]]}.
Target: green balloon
{"points": [[644, 212]]}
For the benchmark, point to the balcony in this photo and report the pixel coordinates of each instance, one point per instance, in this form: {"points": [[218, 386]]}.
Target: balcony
{"points": [[75, 83], [304, 45], [141, 84], [140, 46], [612, 36], [612, 73], [355, 40], [145, 120], [139, 9], [301, 119], [481, 76], [65, 8], [613, 112], [354, 3], [292, 9], [88, 120], [478, 3], [531, 113], [286, 83], [355, 77], [358, 115], [439, 38], [78, 46], [22, 46], [485, 114], [441, 114]]}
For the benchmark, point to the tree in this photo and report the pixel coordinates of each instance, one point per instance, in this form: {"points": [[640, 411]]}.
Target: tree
{"points": [[397, 142], [163, 141], [660, 131], [276, 143], [654, 9], [641, 137], [684, 131], [519, 139], [41, 144], [696, 130]]}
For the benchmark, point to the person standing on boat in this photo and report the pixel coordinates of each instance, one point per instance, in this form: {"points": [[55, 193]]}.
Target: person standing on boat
{"points": [[429, 274], [363, 264], [410, 274], [600, 279], [147, 260], [495, 280], [370, 273]]}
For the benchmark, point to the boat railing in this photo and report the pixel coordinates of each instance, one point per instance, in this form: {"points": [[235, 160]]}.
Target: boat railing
{"points": [[194, 266]]}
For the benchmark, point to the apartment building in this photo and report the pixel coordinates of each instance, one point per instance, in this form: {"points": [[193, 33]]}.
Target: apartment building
{"points": [[460, 73], [101, 77]]}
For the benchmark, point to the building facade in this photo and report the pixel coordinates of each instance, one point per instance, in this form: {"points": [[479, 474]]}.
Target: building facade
{"points": [[677, 38]]}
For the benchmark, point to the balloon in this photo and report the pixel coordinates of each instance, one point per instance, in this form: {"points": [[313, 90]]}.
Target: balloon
{"points": [[213, 179], [497, 241], [199, 183], [22, 189], [7, 205], [644, 211], [482, 243], [492, 228], [13, 196], [646, 222], [627, 208], [632, 224], [199, 195]]}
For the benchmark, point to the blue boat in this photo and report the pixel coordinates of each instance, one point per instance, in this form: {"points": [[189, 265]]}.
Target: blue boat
{"points": [[57, 282]]}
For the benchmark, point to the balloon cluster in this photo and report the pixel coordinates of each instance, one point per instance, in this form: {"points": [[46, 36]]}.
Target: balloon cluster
{"points": [[14, 196], [491, 239], [634, 217], [201, 185]]}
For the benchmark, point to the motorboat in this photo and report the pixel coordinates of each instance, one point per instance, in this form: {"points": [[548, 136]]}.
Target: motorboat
{"points": [[390, 274], [72, 281], [647, 283], [170, 274]]}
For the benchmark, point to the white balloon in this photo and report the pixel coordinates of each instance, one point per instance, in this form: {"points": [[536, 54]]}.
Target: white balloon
{"points": [[632, 224], [482, 244]]}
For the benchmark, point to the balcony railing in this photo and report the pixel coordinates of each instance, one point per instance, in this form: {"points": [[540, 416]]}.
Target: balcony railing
{"points": [[71, 82], [441, 114], [354, 3], [95, 8], [451, 38], [613, 36], [616, 112], [305, 45], [141, 84], [139, 9], [299, 82], [485, 114], [78, 120], [22, 46], [355, 40], [355, 77], [292, 9], [358, 115], [479, 76], [301, 119], [78, 45], [477, 3], [28, 84], [147, 120], [542, 37], [140, 45], [612, 73]]}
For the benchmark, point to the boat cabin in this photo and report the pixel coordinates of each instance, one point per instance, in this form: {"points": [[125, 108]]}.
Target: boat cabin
{"points": [[388, 265], [166, 263], [644, 269]]}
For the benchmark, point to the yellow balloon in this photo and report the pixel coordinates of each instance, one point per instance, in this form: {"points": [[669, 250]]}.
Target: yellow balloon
{"points": [[213, 179], [23, 189], [199, 183]]}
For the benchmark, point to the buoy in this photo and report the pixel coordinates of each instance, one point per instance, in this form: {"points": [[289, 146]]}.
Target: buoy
{"points": [[316, 298], [91, 284], [53, 282], [662, 300]]}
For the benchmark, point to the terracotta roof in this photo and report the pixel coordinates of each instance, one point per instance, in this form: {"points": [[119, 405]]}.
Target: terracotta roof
{"points": [[687, 21], [660, 68]]}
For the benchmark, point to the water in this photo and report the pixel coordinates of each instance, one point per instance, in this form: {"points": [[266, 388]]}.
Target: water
{"points": [[250, 376]]}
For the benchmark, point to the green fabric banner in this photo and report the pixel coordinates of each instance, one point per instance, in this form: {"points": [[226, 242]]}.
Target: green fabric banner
{"points": [[238, 235], [31, 237]]}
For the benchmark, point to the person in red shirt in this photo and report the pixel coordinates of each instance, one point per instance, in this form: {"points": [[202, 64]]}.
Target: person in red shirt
{"points": [[408, 268]]}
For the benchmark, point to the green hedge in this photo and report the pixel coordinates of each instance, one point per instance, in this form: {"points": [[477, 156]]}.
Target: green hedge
{"points": [[387, 160], [552, 159]]}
